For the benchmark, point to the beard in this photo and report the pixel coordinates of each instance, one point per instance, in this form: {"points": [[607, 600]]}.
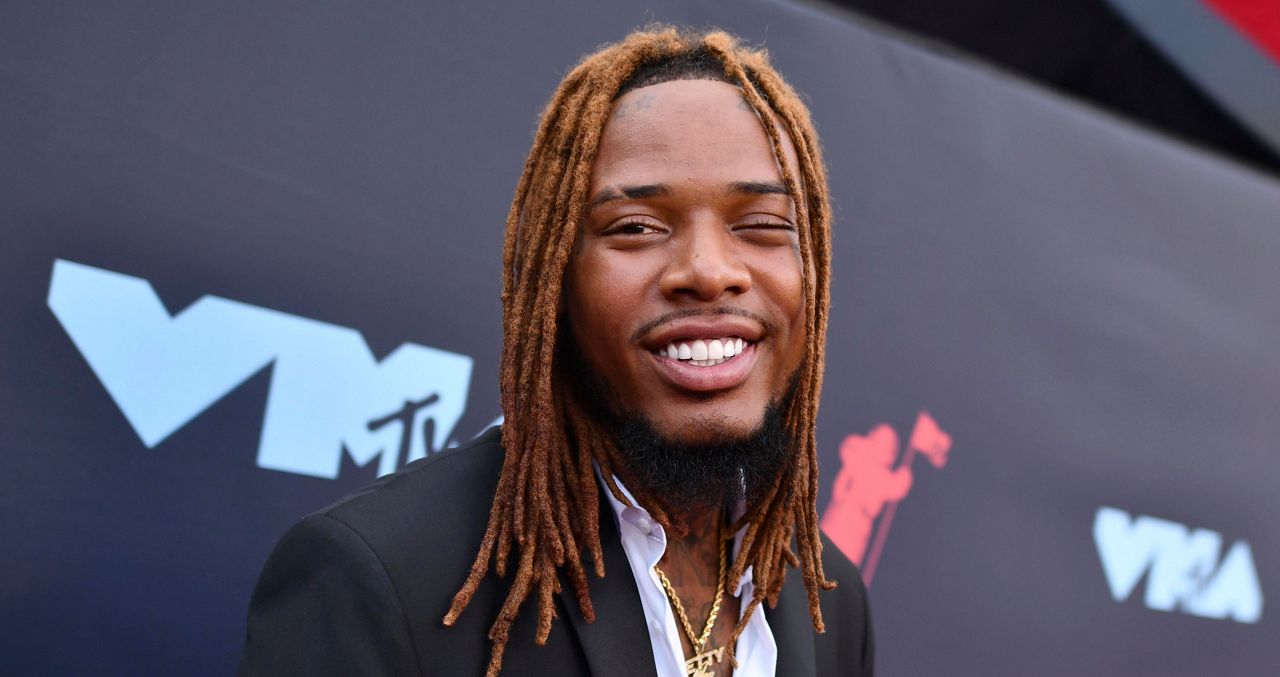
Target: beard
{"points": [[689, 478]]}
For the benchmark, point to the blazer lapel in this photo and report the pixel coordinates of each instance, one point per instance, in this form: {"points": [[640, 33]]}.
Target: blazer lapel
{"points": [[792, 628], [617, 643]]}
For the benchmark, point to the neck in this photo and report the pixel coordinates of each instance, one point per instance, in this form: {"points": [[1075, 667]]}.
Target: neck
{"points": [[702, 524], [701, 521], [692, 558], [691, 565]]}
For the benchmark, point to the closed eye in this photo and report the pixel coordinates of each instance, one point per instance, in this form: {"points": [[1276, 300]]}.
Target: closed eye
{"points": [[768, 233], [782, 225]]}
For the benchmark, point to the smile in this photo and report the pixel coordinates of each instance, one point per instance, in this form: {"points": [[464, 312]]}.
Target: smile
{"points": [[709, 374], [704, 352]]}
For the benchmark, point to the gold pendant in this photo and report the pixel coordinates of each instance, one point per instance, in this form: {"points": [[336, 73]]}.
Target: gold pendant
{"points": [[700, 665]]}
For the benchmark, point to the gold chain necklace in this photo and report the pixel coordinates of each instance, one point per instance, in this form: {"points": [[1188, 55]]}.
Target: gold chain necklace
{"points": [[701, 663]]}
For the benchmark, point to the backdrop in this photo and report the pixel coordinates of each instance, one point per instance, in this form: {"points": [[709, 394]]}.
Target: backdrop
{"points": [[250, 260]]}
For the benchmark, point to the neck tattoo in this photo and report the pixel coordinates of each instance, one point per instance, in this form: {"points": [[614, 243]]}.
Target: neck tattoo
{"points": [[703, 660]]}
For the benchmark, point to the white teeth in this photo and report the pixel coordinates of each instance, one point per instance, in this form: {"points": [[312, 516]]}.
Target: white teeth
{"points": [[704, 352]]}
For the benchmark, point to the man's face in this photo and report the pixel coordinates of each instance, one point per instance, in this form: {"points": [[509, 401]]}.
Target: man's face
{"points": [[689, 249]]}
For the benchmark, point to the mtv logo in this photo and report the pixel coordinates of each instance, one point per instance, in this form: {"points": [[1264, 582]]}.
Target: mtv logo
{"points": [[1181, 565], [327, 391]]}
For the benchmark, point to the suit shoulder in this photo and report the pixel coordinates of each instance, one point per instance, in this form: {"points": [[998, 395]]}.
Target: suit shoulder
{"points": [[838, 568], [406, 541], [848, 647], [442, 496]]}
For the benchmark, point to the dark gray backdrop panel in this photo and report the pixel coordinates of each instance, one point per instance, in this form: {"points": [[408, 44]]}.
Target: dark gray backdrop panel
{"points": [[1087, 309]]}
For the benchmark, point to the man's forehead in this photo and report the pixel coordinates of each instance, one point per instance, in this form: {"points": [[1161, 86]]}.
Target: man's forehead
{"points": [[676, 98], [664, 135]]}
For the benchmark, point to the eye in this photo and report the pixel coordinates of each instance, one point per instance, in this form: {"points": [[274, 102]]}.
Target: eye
{"points": [[768, 225], [767, 231], [633, 228]]}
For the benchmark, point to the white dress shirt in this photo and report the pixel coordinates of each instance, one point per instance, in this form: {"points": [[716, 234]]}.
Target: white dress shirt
{"points": [[645, 541]]}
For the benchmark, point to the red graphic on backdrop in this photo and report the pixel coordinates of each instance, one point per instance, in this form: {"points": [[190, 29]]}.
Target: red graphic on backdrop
{"points": [[1258, 20], [869, 487]]}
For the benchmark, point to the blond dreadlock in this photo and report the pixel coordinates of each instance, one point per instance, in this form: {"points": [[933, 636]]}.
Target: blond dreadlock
{"points": [[546, 502]]}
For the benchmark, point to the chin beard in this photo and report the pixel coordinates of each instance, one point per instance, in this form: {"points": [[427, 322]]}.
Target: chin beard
{"points": [[688, 478]]}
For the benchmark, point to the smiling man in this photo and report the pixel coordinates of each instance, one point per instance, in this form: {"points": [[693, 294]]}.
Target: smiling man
{"points": [[665, 300]]}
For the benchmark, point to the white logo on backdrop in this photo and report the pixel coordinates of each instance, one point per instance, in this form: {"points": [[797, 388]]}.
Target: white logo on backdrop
{"points": [[1185, 568], [328, 392]]}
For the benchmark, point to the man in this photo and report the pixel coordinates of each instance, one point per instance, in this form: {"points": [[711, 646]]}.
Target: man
{"points": [[665, 300]]}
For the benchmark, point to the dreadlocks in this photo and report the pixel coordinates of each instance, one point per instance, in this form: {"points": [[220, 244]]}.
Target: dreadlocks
{"points": [[545, 511]]}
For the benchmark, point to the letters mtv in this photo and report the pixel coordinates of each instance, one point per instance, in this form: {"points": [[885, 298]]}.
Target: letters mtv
{"points": [[1184, 567], [328, 392]]}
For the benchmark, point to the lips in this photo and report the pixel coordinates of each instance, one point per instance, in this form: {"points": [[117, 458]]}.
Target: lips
{"points": [[706, 329], [723, 376], [705, 354]]}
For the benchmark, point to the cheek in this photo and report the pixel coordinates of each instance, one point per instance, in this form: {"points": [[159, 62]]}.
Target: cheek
{"points": [[786, 287], [601, 300], [786, 293], [610, 285]]}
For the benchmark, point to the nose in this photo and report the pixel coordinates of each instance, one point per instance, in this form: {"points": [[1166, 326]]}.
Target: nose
{"points": [[705, 265]]}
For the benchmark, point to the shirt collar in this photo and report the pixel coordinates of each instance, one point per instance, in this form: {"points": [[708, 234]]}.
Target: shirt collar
{"points": [[635, 523]]}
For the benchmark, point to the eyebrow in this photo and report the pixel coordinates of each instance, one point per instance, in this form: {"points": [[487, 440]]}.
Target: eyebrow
{"points": [[759, 188], [632, 192], [662, 190]]}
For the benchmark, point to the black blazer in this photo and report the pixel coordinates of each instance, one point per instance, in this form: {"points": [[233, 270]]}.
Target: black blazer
{"points": [[359, 588]]}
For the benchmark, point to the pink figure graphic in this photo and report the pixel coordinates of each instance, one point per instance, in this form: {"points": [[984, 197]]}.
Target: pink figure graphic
{"points": [[868, 482], [930, 440]]}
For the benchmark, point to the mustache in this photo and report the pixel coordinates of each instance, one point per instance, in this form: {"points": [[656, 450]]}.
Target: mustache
{"points": [[674, 315]]}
